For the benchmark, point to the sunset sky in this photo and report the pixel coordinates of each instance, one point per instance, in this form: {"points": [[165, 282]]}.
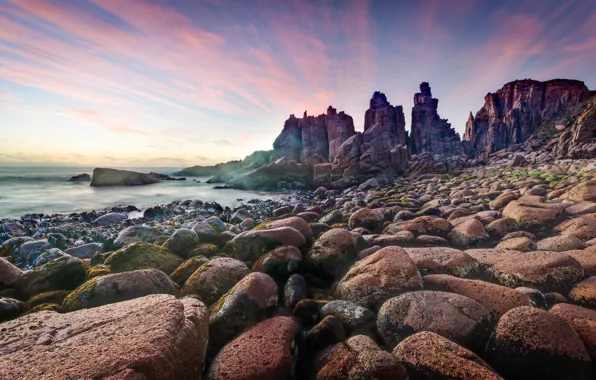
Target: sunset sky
{"points": [[177, 83]]}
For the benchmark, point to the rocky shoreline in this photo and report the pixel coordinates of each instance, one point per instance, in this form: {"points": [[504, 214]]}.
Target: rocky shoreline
{"points": [[487, 273]]}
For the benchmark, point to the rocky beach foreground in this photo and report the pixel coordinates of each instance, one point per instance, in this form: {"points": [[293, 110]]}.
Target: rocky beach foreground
{"points": [[487, 274], [399, 256]]}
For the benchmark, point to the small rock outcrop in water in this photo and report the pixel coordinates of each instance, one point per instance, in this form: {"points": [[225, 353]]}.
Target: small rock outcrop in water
{"points": [[520, 109], [114, 177], [80, 178], [429, 133]]}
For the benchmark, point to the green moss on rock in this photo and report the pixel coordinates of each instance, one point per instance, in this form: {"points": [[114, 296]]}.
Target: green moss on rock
{"points": [[54, 297], [98, 271], [63, 273], [187, 268], [141, 255]]}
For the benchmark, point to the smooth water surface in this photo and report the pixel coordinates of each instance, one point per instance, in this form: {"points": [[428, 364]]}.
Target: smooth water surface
{"points": [[25, 190]]}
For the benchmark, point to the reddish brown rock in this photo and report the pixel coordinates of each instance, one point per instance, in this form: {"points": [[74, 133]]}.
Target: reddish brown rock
{"points": [[250, 245], [340, 127], [156, 336], [521, 244], [587, 259], [370, 219], [542, 270], [560, 243], [443, 260], [294, 222], [422, 225], [264, 352], [280, 263], [429, 133], [496, 298], [470, 232], [451, 315], [250, 301], [378, 277], [583, 227], [534, 216], [584, 293], [582, 320], [332, 254], [358, 358], [583, 191], [530, 343], [512, 114], [8, 272], [578, 141], [427, 355]]}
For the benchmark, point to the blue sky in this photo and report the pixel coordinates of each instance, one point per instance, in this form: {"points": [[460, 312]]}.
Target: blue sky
{"points": [[176, 83]]}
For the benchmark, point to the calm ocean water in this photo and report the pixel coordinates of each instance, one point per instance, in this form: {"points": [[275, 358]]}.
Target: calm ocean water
{"points": [[25, 190]]}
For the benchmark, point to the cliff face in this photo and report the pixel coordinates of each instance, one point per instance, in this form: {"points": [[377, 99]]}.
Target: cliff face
{"points": [[516, 111], [390, 118], [579, 141], [429, 133], [302, 138]]}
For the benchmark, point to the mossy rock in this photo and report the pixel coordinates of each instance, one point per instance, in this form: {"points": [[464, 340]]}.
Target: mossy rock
{"points": [[187, 268], [98, 271], [141, 255], [204, 249], [340, 225], [63, 273], [54, 297], [45, 307]]}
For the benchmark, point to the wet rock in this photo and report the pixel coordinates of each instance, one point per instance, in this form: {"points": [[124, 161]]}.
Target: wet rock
{"points": [[280, 263], [332, 254], [206, 232], [443, 261], [263, 352], [458, 318], [64, 273], [8, 273], [325, 333], [584, 293], [496, 298], [30, 250], [110, 218], [250, 245], [378, 277], [49, 255], [295, 290], [332, 218], [357, 358], [133, 234], [250, 301], [10, 308], [533, 343], [119, 287], [213, 279], [151, 336], [371, 219], [186, 269], [294, 222], [85, 251], [143, 256], [182, 242], [351, 315], [543, 270]]}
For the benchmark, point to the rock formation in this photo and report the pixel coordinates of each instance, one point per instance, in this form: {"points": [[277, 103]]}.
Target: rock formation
{"points": [[113, 177], [429, 133], [391, 118], [320, 135], [579, 141], [522, 108]]}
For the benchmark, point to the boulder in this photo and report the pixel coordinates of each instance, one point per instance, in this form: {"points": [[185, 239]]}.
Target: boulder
{"points": [[325, 333], [534, 216], [587, 259], [584, 293], [110, 218], [64, 273], [532, 343], [351, 315], [370, 219], [187, 268], [295, 290], [30, 250], [9, 273], [583, 227], [332, 254], [294, 222], [543, 270], [264, 352], [378, 277], [49, 255], [10, 308], [359, 357], [250, 245], [470, 232], [496, 298], [182, 242], [520, 244], [582, 321], [213, 279], [422, 225], [456, 317], [444, 261], [155, 336], [584, 191], [80, 178], [560, 243], [133, 234], [280, 263], [85, 251], [143, 256], [206, 232], [250, 301], [427, 355], [119, 287], [112, 177]]}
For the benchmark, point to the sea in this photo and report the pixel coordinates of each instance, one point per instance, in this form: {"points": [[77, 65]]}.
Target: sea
{"points": [[46, 190]]}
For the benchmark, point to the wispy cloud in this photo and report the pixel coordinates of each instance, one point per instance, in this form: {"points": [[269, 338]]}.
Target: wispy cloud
{"points": [[222, 142]]}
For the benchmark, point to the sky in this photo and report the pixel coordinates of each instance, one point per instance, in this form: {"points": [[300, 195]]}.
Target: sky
{"points": [[179, 83]]}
